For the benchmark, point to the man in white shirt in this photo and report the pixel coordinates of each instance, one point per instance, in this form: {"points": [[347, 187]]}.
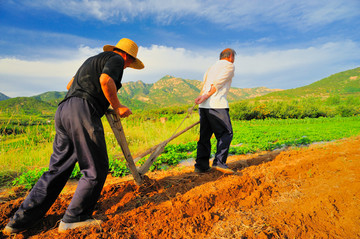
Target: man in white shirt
{"points": [[214, 114]]}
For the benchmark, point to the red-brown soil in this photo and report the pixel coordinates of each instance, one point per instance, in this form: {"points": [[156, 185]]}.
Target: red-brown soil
{"points": [[309, 192]]}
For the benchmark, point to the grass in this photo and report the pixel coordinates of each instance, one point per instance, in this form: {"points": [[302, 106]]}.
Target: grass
{"points": [[31, 148], [26, 150], [276, 133], [141, 135]]}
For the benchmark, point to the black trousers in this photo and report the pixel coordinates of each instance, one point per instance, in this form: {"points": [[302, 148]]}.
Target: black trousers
{"points": [[79, 138], [213, 121]]}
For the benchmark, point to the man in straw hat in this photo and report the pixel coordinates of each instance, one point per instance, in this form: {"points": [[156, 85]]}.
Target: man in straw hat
{"points": [[214, 114], [80, 138]]}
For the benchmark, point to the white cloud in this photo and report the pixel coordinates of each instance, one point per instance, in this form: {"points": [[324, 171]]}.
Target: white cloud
{"points": [[53, 74], [167, 60], [296, 67], [46, 67], [22, 77], [284, 69], [239, 14], [35, 44]]}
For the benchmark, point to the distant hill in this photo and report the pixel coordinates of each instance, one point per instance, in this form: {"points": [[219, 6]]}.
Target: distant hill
{"points": [[336, 95], [173, 91], [26, 106], [3, 97], [52, 97], [168, 91], [343, 83]]}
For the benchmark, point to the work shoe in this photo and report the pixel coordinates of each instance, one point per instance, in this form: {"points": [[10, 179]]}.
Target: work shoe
{"points": [[15, 227], [71, 225], [223, 169], [197, 170], [8, 230]]}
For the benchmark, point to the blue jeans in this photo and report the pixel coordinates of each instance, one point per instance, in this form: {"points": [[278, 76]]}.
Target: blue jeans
{"points": [[79, 138], [213, 121]]}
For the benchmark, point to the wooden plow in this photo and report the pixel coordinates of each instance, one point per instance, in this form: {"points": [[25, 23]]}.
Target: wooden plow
{"points": [[155, 151]]}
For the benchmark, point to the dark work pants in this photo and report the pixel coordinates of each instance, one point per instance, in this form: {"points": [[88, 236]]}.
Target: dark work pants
{"points": [[79, 138], [213, 121]]}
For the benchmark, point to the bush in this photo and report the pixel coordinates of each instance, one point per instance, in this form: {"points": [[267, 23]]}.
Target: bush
{"points": [[313, 107]]}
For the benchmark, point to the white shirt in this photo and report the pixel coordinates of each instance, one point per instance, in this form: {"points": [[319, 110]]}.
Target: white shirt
{"points": [[220, 75]]}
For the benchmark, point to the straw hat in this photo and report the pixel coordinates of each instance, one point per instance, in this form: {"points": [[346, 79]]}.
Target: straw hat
{"points": [[130, 48]]}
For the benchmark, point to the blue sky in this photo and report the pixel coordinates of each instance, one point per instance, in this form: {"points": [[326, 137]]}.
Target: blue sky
{"points": [[279, 43]]}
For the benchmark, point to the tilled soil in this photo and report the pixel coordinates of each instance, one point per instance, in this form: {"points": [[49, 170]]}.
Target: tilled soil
{"points": [[308, 192]]}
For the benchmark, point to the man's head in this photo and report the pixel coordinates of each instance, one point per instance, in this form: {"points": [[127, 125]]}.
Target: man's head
{"points": [[128, 50], [128, 59], [228, 54]]}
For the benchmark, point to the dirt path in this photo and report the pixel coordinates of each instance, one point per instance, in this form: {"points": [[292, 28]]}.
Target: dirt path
{"points": [[312, 192]]}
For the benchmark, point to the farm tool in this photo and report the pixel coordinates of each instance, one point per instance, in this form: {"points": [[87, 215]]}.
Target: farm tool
{"points": [[139, 172]]}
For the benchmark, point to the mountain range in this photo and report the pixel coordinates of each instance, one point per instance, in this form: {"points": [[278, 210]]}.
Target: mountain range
{"points": [[173, 91], [3, 97], [166, 92]]}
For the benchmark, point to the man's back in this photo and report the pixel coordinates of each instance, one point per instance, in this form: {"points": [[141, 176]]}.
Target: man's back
{"points": [[86, 84], [220, 75]]}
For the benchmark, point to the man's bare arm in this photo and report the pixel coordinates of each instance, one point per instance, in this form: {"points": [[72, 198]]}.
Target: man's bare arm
{"points": [[205, 96], [109, 88], [69, 84]]}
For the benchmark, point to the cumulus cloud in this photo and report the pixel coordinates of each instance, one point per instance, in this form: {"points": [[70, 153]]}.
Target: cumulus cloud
{"points": [[24, 77], [162, 60], [286, 68], [46, 67], [297, 67]]}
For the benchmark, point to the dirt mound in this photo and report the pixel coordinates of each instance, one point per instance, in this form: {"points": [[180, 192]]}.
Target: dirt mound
{"points": [[311, 192]]}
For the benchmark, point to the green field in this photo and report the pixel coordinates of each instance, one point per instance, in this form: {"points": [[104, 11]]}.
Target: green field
{"points": [[29, 150]]}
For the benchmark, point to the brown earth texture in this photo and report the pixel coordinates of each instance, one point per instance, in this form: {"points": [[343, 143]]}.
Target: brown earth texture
{"points": [[307, 192]]}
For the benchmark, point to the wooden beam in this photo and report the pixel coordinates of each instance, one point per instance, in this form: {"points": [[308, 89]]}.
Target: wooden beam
{"points": [[152, 149], [145, 167], [155, 151], [116, 126]]}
